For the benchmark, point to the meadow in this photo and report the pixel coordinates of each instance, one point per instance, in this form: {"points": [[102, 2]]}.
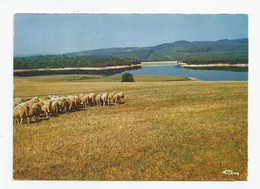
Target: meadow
{"points": [[168, 128]]}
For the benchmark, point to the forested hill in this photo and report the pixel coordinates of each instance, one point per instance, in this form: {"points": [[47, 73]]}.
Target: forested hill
{"points": [[197, 52], [203, 52]]}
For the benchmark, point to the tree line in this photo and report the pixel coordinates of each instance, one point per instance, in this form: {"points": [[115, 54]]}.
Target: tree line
{"points": [[63, 61]]}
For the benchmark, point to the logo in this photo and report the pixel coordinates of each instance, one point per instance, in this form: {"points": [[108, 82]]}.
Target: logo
{"points": [[230, 172]]}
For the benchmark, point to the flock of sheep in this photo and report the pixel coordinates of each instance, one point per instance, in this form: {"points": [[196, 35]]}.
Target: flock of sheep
{"points": [[28, 108]]}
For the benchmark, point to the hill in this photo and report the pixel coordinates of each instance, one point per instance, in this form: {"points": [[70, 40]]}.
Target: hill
{"points": [[197, 52]]}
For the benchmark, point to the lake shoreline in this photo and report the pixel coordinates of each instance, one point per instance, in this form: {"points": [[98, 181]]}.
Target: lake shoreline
{"points": [[79, 68], [160, 62], [211, 65]]}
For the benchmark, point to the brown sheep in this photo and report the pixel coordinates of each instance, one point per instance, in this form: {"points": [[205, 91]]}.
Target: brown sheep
{"points": [[34, 111]]}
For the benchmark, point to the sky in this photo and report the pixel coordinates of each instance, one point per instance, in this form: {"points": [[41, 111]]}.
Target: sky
{"points": [[41, 34]]}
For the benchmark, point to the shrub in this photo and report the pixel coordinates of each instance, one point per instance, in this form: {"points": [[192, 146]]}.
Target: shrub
{"points": [[127, 77]]}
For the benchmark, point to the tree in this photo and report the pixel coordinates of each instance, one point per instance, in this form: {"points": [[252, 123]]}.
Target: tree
{"points": [[127, 77]]}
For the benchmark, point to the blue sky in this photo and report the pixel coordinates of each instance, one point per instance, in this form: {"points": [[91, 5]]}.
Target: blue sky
{"points": [[61, 33]]}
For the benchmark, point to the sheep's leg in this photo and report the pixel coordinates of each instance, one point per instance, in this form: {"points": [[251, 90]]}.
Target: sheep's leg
{"points": [[21, 121], [28, 120]]}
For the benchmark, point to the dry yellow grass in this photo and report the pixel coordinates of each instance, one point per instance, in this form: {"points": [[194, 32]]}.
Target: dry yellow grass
{"points": [[185, 130]]}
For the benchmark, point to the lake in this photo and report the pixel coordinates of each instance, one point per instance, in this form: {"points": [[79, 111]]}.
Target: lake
{"points": [[205, 74]]}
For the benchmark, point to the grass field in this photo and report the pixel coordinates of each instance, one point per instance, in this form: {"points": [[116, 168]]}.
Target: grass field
{"points": [[165, 130]]}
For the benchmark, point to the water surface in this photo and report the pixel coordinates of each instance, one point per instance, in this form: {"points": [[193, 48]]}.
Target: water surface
{"points": [[205, 74]]}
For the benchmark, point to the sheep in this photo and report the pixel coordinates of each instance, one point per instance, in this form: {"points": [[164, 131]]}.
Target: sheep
{"points": [[34, 111], [29, 108], [31, 102], [98, 99], [16, 102], [17, 98], [72, 105], [92, 99], [44, 98], [104, 98], [40, 104], [23, 101], [111, 97], [46, 108], [35, 99], [22, 104], [55, 107], [84, 100], [117, 98], [52, 96], [63, 105], [21, 112], [75, 102], [81, 95], [47, 102], [121, 94]]}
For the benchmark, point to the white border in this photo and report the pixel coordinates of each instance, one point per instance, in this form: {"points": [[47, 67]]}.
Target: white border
{"points": [[9, 7]]}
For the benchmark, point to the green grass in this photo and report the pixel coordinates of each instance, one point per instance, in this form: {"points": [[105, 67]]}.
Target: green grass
{"points": [[185, 130], [100, 78]]}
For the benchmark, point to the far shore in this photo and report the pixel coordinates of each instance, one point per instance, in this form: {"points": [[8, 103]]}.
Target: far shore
{"points": [[160, 62], [79, 68], [212, 65], [182, 64]]}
